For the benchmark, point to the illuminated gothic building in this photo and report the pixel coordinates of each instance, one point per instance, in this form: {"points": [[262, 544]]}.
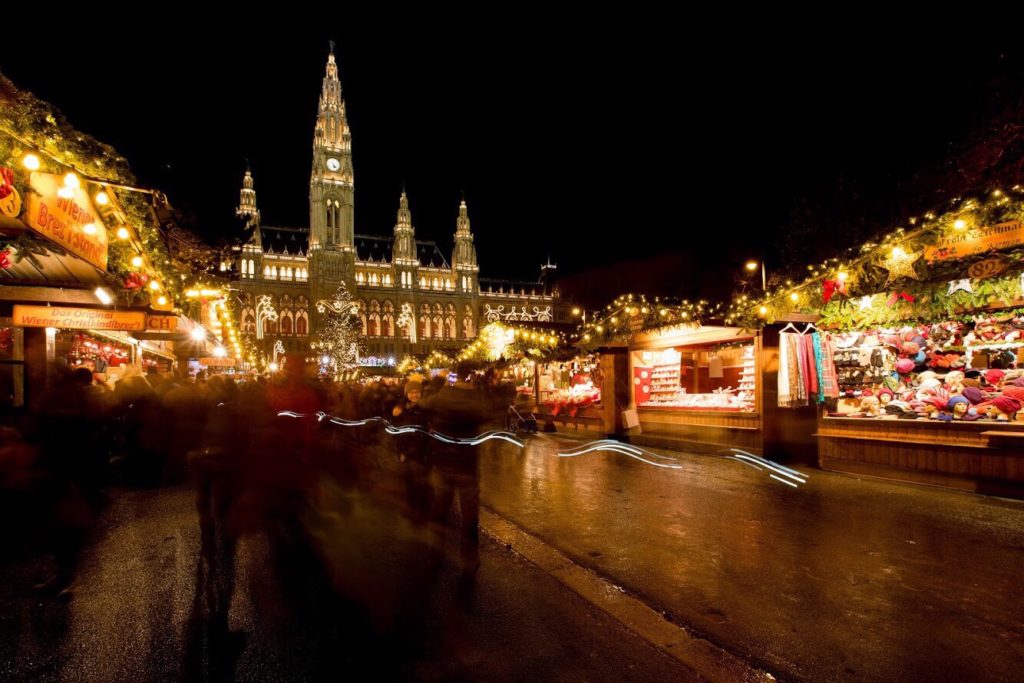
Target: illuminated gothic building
{"points": [[411, 298]]}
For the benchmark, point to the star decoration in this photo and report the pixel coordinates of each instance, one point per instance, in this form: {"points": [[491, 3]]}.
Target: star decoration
{"points": [[960, 286], [865, 301], [901, 265]]}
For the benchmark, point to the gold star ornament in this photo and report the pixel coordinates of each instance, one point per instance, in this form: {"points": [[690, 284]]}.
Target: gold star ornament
{"points": [[900, 264]]}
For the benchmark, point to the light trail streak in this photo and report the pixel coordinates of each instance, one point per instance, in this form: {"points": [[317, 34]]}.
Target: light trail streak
{"points": [[493, 435], [621, 448], [756, 461]]}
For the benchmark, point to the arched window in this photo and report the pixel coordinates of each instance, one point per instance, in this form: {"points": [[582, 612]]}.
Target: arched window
{"points": [[388, 319], [449, 322], [252, 268], [270, 327], [245, 268], [373, 320], [468, 331], [301, 324], [438, 322], [286, 323], [248, 321], [273, 272], [266, 272], [425, 321]]}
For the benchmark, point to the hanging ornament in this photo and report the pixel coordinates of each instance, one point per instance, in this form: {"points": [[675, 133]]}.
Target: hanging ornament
{"points": [[5, 258], [832, 287], [6, 182], [135, 281], [865, 302], [10, 200], [900, 264], [899, 296], [960, 286]]}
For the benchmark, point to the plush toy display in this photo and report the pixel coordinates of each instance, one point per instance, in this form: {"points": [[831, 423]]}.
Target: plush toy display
{"points": [[944, 371]]}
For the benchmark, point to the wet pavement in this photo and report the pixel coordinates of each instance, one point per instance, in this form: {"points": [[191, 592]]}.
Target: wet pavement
{"points": [[840, 579], [136, 614]]}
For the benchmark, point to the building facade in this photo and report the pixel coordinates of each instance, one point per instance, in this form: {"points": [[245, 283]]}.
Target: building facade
{"points": [[411, 299]]}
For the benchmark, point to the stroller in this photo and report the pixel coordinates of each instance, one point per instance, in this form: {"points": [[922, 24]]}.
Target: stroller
{"points": [[521, 418]]}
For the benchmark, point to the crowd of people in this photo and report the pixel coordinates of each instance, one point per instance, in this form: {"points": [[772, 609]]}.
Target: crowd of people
{"points": [[262, 456]]}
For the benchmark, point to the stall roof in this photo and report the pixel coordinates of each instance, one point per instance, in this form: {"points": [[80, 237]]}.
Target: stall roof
{"points": [[50, 268]]}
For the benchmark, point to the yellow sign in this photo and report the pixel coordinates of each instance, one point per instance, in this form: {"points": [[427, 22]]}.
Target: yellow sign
{"points": [[10, 205], [78, 318], [163, 323], [66, 215], [972, 242], [217, 362]]}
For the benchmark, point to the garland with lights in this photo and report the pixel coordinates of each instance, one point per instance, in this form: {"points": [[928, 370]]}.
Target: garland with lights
{"points": [[34, 136], [498, 341], [631, 313], [888, 281]]}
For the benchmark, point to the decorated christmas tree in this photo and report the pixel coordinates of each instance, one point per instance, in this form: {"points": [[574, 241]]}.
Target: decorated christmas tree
{"points": [[338, 337]]}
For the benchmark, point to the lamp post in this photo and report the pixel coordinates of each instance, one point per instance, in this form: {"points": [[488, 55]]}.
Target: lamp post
{"points": [[752, 266]]}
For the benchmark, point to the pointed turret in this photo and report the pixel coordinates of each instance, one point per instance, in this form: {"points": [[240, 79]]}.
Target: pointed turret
{"points": [[464, 253]]}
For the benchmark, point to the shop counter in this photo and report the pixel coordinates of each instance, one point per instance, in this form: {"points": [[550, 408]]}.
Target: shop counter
{"points": [[982, 456]]}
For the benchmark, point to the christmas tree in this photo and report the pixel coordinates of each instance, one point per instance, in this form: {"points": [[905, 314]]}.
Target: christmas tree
{"points": [[338, 337]]}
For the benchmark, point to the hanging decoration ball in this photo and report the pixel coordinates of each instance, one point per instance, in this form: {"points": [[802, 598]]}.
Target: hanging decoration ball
{"points": [[5, 259]]}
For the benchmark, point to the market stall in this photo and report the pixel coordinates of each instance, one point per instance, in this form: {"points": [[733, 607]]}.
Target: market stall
{"points": [[697, 387], [915, 362], [569, 391]]}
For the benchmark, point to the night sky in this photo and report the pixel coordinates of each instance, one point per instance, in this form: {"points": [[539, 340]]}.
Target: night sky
{"points": [[671, 151]]}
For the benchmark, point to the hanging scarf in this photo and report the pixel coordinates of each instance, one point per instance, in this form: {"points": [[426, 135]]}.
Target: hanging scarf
{"points": [[811, 374], [829, 375], [785, 397], [819, 370]]}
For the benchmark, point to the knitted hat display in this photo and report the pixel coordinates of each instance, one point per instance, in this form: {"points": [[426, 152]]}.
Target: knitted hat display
{"points": [[904, 366], [885, 391], [1005, 404], [974, 395], [952, 403], [1014, 392], [993, 377]]}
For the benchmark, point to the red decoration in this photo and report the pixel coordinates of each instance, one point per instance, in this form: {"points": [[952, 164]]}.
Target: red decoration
{"points": [[5, 259], [896, 296], [831, 288], [135, 280], [6, 182]]}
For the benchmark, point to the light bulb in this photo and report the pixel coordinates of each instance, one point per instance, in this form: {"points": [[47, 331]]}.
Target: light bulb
{"points": [[31, 162], [71, 181], [102, 199], [137, 261], [122, 233]]}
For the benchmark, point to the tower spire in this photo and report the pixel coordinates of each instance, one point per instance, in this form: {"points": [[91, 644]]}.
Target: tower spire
{"points": [[247, 198], [331, 182], [464, 253], [405, 240]]}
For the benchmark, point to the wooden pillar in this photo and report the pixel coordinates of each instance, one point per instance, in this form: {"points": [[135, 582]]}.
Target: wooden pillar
{"points": [[616, 389], [40, 345]]}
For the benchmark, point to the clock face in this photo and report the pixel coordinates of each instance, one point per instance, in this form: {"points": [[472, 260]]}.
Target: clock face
{"points": [[333, 164]]}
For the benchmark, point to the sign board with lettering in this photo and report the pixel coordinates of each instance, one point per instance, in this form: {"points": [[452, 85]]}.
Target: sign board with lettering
{"points": [[66, 216], [78, 318], [163, 323], [217, 362], [978, 241]]}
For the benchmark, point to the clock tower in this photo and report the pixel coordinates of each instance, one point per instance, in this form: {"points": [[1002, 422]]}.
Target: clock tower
{"points": [[331, 184], [331, 191]]}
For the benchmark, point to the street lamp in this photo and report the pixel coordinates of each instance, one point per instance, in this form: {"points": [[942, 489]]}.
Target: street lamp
{"points": [[752, 266], [581, 313]]}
